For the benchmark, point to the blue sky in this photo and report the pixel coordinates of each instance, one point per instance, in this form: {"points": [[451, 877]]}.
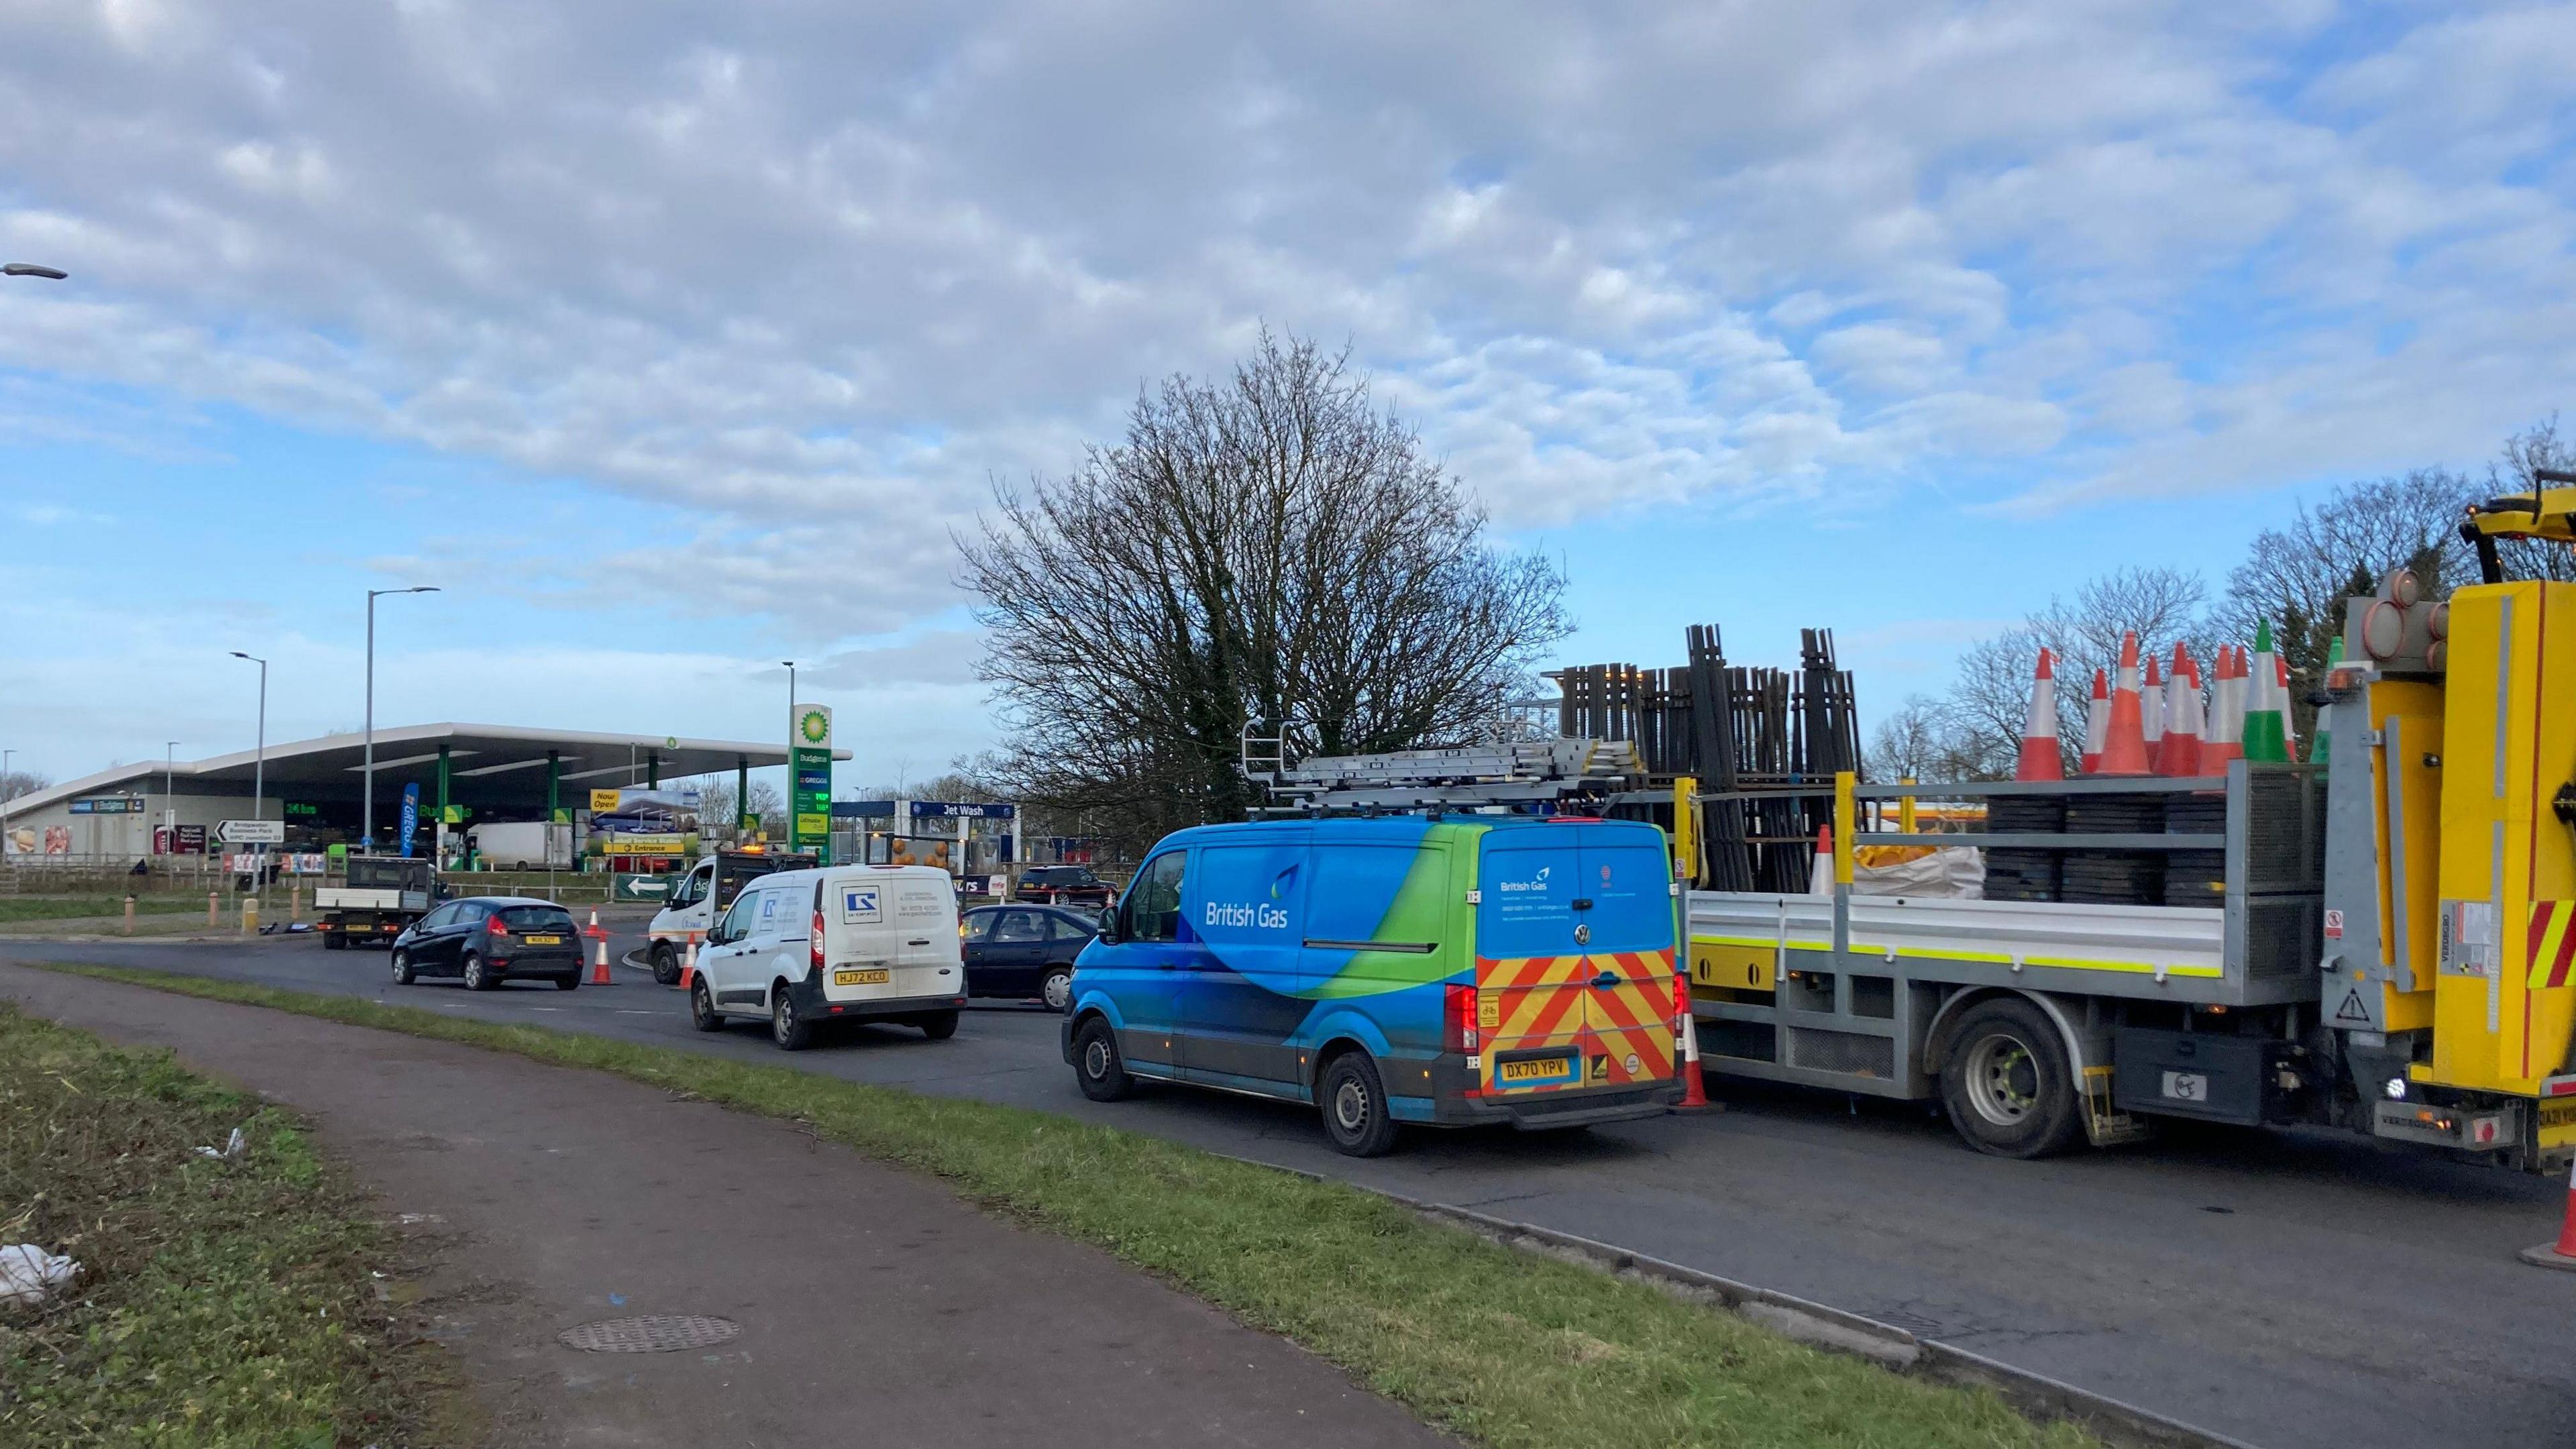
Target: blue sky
{"points": [[674, 340]]}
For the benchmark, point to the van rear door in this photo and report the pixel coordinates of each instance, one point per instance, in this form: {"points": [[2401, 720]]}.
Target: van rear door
{"points": [[1533, 1021], [1627, 911]]}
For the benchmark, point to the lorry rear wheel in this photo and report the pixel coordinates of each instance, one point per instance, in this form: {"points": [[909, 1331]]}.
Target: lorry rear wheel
{"points": [[2006, 1083], [666, 964], [334, 941]]}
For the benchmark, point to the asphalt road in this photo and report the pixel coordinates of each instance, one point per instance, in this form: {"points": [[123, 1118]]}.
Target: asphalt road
{"points": [[2294, 1290]]}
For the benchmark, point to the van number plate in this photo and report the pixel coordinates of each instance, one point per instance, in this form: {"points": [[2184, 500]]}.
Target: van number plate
{"points": [[873, 976], [2187, 1086], [1539, 1069]]}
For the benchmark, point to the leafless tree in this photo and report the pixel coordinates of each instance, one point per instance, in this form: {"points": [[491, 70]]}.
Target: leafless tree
{"points": [[2516, 469], [22, 782], [1266, 547], [716, 805], [1924, 740], [1988, 704]]}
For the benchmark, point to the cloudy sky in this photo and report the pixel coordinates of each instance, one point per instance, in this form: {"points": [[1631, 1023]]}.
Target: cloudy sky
{"points": [[674, 340]]}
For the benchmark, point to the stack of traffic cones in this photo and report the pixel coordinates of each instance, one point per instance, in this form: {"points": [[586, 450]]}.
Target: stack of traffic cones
{"points": [[2151, 708], [2041, 758], [2124, 744], [2266, 697], [2097, 724], [2225, 738], [2178, 753]]}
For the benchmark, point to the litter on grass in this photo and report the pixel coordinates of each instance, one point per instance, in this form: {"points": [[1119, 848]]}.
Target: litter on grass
{"points": [[233, 1146], [29, 1275]]}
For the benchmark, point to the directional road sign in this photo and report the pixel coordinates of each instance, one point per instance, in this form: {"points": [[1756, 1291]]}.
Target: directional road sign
{"points": [[252, 832]]}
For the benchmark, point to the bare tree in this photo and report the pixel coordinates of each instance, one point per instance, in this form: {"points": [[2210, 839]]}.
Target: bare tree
{"points": [[2516, 469], [1924, 740], [1263, 548], [1989, 702], [716, 803], [22, 782]]}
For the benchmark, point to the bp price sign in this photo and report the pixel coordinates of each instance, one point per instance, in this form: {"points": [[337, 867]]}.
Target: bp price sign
{"points": [[809, 781]]}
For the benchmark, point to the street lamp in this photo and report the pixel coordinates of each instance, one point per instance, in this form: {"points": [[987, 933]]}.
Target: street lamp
{"points": [[367, 812], [259, 761], [4, 798], [30, 269], [170, 789], [792, 839]]}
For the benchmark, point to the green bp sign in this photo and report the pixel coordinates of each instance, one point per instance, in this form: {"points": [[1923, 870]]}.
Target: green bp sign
{"points": [[809, 781]]}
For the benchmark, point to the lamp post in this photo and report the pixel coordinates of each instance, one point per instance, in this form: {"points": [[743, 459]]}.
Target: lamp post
{"points": [[4, 797], [793, 840], [259, 774], [367, 811], [170, 792]]}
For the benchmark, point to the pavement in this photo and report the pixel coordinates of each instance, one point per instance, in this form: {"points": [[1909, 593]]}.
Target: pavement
{"points": [[2297, 1290], [873, 1306]]}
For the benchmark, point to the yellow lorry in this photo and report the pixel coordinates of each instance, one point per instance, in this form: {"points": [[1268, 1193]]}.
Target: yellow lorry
{"points": [[2386, 942]]}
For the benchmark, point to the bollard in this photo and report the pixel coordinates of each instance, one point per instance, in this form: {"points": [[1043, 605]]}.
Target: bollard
{"points": [[214, 912], [129, 915], [250, 916], [295, 900]]}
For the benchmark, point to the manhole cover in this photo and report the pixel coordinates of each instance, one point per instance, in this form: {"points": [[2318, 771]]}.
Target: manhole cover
{"points": [[652, 1333]]}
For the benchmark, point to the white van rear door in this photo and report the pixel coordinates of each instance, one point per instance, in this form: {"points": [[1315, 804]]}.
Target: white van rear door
{"points": [[858, 932], [928, 958]]}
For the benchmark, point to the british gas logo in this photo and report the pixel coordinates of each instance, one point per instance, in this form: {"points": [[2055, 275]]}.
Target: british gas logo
{"points": [[1537, 882], [1244, 914]]}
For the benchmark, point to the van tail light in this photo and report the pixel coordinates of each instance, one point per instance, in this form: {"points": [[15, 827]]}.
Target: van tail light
{"points": [[814, 945], [1681, 1002], [1458, 1020]]}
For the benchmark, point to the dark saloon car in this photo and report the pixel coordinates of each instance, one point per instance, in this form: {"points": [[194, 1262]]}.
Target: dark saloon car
{"points": [[1064, 885], [491, 939], [1023, 951]]}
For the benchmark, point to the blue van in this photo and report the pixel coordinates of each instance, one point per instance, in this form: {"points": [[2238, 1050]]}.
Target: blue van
{"points": [[1405, 969]]}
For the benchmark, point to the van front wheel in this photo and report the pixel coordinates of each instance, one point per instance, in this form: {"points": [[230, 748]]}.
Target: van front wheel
{"points": [[1096, 1064], [1354, 1105]]}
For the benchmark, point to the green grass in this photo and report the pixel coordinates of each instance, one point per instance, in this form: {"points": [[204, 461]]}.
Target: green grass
{"points": [[1505, 1348], [72, 908], [226, 1303]]}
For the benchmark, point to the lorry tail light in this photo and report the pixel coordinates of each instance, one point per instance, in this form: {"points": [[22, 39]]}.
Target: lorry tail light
{"points": [[814, 950], [1458, 1019]]}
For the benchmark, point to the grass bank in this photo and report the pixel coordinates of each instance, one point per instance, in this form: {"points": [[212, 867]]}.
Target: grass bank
{"points": [[1502, 1347], [226, 1302], [94, 907]]}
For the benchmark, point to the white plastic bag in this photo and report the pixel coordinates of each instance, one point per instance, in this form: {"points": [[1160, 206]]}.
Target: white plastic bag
{"points": [[29, 1275]]}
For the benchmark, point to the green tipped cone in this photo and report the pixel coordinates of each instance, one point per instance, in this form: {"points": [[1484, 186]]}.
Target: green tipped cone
{"points": [[2266, 728]]}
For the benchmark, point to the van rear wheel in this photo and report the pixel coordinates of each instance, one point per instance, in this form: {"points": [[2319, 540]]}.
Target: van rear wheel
{"points": [[1096, 1063], [938, 1025], [1353, 1100], [788, 1026]]}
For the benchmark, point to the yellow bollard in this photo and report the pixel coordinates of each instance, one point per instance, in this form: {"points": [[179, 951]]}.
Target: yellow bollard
{"points": [[129, 915], [250, 915], [295, 900], [214, 910]]}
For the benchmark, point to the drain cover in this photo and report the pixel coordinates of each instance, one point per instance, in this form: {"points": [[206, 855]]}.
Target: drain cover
{"points": [[652, 1333]]}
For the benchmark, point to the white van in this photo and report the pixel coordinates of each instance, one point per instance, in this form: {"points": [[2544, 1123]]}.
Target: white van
{"points": [[702, 896], [838, 943]]}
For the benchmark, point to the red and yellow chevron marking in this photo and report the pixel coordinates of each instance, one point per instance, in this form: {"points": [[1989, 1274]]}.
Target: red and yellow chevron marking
{"points": [[1543, 1002], [1633, 1021], [2553, 944]]}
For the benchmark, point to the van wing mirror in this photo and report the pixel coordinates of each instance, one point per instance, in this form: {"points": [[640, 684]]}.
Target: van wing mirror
{"points": [[1108, 925]]}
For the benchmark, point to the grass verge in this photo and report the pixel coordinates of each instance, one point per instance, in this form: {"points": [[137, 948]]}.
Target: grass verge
{"points": [[1502, 1347], [81, 908], [225, 1302]]}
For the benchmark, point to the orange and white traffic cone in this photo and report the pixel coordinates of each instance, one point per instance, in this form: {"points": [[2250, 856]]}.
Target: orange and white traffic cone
{"points": [[2097, 724], [2151, 708], [599, 964], [2225, 738], [1694, 1092], [2124, 745], [1820, 876], [2041, 759], [2178, 753], [2561, 1254], [689, 965]]}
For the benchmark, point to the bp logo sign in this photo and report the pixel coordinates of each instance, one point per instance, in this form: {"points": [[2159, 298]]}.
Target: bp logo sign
{"points": [[814, 725]]}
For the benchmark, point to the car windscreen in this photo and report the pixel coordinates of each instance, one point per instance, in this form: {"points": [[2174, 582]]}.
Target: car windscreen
{"points": [[536, 918]]}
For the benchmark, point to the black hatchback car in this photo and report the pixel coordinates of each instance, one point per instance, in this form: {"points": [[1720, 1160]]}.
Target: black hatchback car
{"points": [[1024, 951], [491, 939]]}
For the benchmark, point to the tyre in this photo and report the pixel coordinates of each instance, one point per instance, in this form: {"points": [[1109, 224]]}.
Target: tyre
{"points": [[666, 964], [334, 941], [478, 977], [2006, 1084], [1354, 1106], [702, 1007], [403, 974], [938, 1025], [568, 983], [1057, 989], [788, 1026], [1096, 1063]]}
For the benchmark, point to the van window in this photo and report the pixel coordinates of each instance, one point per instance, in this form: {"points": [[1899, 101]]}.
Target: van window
{"points": [[737, 922], [1154, 903]]}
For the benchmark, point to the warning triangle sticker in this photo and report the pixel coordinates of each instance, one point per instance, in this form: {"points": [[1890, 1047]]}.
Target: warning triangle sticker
{"points": [[1600, 1069], [2352, 1008]]}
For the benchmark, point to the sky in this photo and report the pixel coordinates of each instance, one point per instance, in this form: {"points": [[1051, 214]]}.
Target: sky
{"points": [[672, 341]]}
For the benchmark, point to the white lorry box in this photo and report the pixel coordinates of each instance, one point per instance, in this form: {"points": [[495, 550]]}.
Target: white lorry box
{"points": [[522, 845], [837, 943]]}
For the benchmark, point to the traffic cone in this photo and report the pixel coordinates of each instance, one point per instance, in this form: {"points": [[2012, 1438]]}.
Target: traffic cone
{"points": [[2041, 758], [1820, 876], [689, 965], [2224, 739], [2178, 753], [2289, 715], [2561, 1254], [2266, 731], [2124, 747], [2151, 707], [599, 965], [2097, 724], [1694, 1091]]}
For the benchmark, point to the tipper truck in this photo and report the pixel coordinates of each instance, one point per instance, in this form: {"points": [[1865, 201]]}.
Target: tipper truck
{"points": [[2384, 942]]}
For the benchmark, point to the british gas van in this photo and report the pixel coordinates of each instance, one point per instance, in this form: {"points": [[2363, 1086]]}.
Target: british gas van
{"points": [[1410, 969]]}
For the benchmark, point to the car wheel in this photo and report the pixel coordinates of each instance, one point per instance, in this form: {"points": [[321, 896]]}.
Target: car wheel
{"points": [[2006, 1084], [1354, 1106], [568, 983], [478, 977], [1057, 989], [938, 1025], [1096, 1063], [403, 974], [334, 941], [666, 964], [787, 1026], [702, 1007]]}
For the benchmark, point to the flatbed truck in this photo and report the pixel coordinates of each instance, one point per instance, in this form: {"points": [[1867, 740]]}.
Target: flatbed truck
{"points": [[379, 897]]}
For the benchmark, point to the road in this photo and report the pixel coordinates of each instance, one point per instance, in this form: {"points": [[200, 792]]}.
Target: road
{"points": [[2293, 1290]]}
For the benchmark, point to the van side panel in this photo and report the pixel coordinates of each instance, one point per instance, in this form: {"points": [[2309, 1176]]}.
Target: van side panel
{"points": [[1247, 897]]}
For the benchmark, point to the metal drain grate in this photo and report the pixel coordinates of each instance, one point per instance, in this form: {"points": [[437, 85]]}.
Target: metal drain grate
{"points": [[652, 1333]]}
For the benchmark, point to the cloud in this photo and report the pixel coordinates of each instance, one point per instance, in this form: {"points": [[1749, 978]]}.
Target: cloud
{"points": [[809, 277]]}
